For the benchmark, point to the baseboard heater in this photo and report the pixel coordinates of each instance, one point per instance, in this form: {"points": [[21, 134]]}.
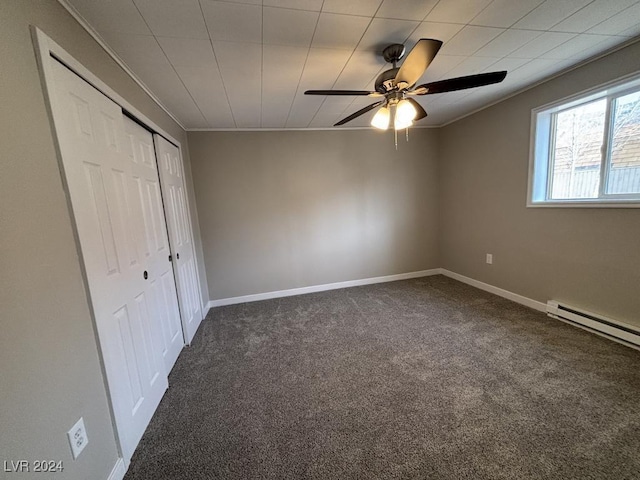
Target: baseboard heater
{"points": [[607, 327]]}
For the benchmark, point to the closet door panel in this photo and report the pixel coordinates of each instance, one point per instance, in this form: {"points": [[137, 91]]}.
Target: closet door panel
{"points": [[155, 241], [180, 235]]}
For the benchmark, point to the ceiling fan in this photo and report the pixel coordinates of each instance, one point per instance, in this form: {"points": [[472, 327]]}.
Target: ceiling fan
{"points": [[397, 83]]}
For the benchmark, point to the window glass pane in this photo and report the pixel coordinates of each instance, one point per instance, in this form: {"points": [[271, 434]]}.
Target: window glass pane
{"points": [[576, 153], [624, 172]]}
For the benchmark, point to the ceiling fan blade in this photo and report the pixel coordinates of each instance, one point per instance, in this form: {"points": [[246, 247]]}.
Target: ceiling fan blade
{"points": [[343, 92], [460, 83], [362, 111], [421, 111], [417, 62]]}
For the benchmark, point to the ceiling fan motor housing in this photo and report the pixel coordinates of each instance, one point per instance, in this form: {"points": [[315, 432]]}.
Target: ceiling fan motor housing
{"points": [[385, 81], [393, 53]]}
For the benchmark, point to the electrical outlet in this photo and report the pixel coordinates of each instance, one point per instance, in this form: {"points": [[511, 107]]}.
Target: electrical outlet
{"points": [[78, 438], [490, 258]]}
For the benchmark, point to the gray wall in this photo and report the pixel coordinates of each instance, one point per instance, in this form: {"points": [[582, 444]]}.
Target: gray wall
{"points": [[281, 210], [587, 257], [49, 367]]}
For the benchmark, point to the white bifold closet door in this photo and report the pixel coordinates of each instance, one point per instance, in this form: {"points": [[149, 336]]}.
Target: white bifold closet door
{"points": [[112, 179], [150, 224], [177, 212]]}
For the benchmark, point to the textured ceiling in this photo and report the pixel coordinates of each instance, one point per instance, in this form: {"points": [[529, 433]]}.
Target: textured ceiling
{"points": [[246, 63]]}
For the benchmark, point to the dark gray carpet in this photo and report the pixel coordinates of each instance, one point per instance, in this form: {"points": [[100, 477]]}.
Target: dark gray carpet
{"points": [[425, 378]]}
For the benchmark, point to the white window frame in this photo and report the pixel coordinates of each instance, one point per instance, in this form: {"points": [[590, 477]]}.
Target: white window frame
{"points": [[541, 146]]}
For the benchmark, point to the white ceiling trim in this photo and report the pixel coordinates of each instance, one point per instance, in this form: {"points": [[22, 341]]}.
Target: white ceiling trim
{"points": [[299, 129], [96, 36], [546, 79]]}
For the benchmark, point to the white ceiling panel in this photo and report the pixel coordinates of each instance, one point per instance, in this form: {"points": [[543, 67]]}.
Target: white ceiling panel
{"points": [[507, 63], [339, 31], [507, 42], [205, 86], [445, 98], [189, 52], [440, 67], [337, 105], [631, 32], [165, 83], [303, 109], [282, 68], [312, 5], [542, 44], [321, 71], [406, 10], [574, 46], [472, 65], [384, 31], [233, 22], [322, 68], [115, 15], [549, 13], [288, 27], [439, 31], [247, 63], [532, 70], [469, 40], [365, 8], [607, 44], [591, 15], [320, 121], [504, 13], [136, 49], [457, 11], [628, 19], [250, 2], [173, 19], [241, 69], [274, 113], [360, 71], [356, 104]]}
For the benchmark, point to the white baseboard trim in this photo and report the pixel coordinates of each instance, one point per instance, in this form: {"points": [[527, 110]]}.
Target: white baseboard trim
{"points": [[514, 297], [320, 288], [118, 471]]}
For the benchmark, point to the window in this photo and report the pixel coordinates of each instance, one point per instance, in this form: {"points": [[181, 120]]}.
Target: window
{"points": [[586, 150]]}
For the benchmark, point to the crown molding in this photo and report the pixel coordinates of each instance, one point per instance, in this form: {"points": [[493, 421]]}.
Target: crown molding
{"points": [[298, 129], [96, 36]]}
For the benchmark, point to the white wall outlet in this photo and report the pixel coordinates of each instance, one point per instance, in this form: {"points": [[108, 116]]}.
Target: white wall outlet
{"points": [[490, 258], [78, 438]]}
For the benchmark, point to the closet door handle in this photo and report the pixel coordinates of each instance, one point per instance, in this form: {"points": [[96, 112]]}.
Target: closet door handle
{"points": [[145, 275], [177, 256]]}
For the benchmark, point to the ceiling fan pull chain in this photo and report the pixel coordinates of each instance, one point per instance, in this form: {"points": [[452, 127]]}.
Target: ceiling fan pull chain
{"points": [[395, 137], [407, 132]]}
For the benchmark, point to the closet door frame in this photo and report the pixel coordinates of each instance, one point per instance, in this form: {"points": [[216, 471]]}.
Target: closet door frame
{"points": [[45, 48]]}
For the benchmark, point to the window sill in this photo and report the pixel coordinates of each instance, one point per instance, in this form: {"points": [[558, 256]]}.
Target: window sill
{"points": [[592, 203]]}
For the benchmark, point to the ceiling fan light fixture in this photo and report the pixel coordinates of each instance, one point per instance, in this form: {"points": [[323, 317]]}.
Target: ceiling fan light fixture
{"points": [[405, 112], [381, 118], [400, 124]]}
